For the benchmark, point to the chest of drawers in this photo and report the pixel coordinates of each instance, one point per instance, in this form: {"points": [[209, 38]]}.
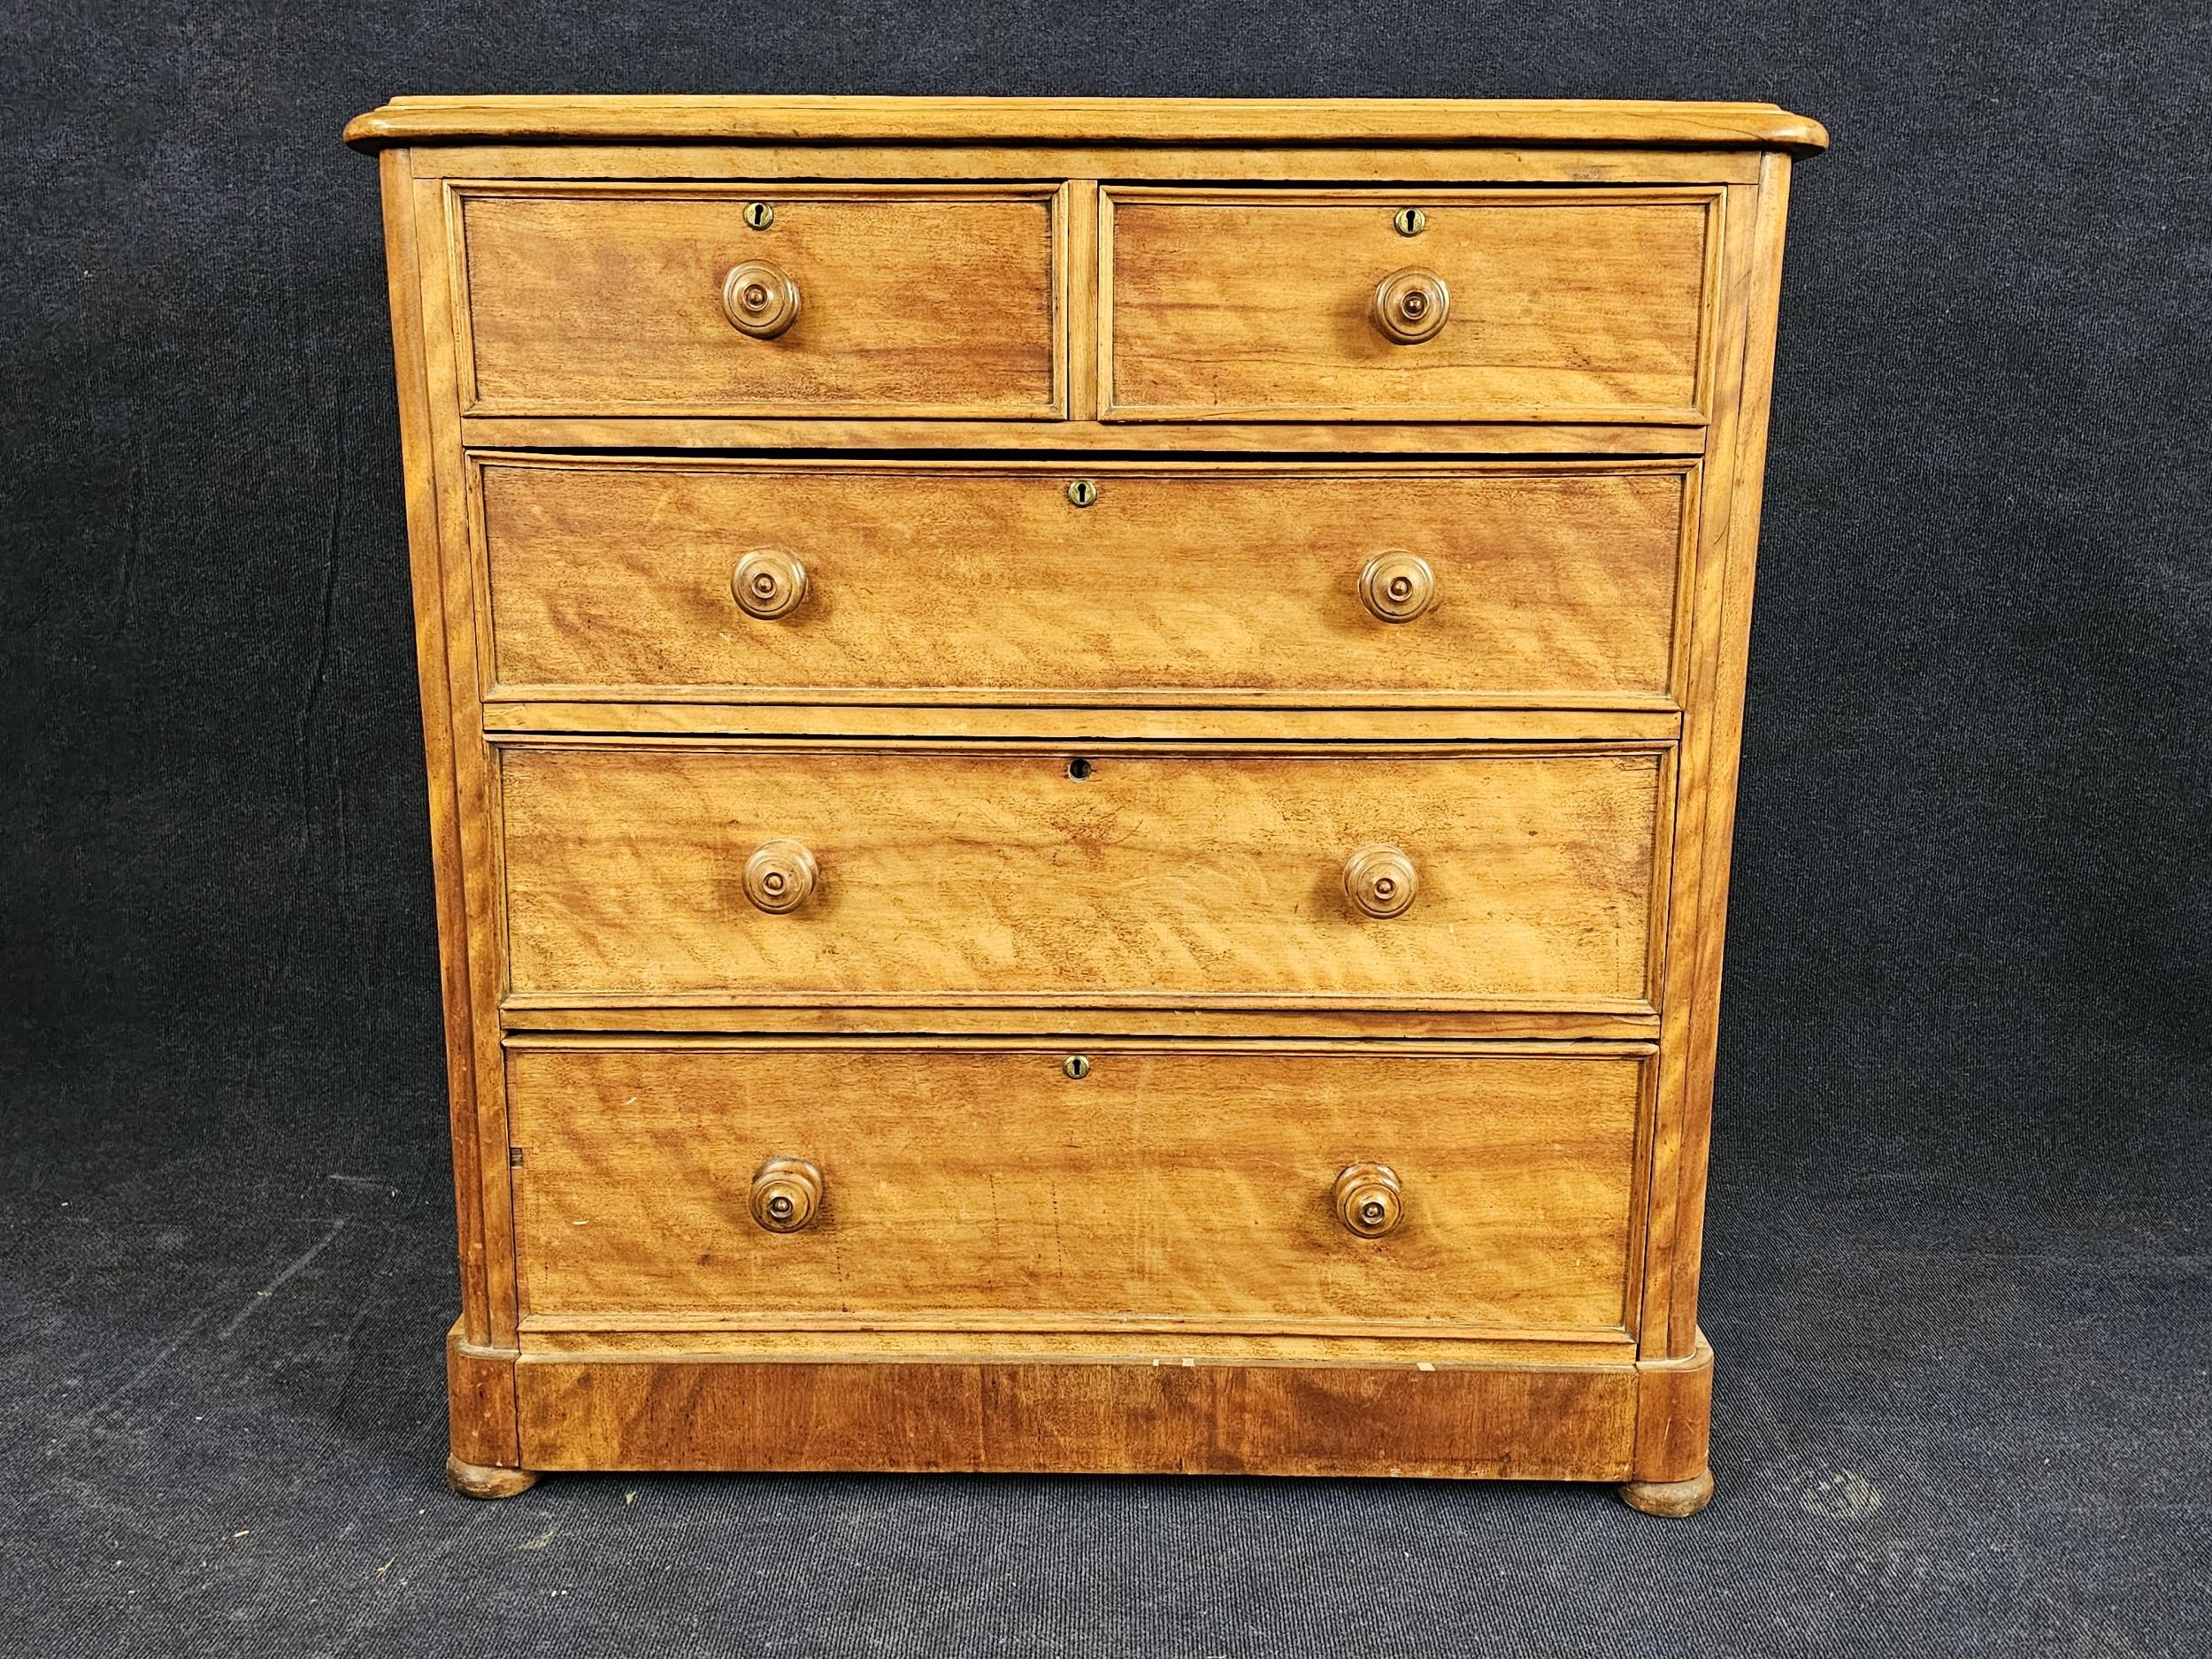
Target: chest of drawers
{"points": [[1081, 761]]}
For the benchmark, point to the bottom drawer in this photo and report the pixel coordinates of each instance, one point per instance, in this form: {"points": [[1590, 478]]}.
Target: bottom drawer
{"points": [[1004, 1185]]}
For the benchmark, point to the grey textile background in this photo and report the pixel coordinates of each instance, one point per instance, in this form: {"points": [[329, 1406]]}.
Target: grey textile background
{"points": [[1957, 1267]]}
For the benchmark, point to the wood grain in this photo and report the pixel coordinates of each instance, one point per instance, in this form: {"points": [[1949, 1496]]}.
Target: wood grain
{"points": [[964, 1183], [916, 301], [1535, 1422], [1197, 875], [1565, 306], [1248, 439], [1139, 1268], [982, 576], [1078, 120], [1461, 164], [425, 572]]}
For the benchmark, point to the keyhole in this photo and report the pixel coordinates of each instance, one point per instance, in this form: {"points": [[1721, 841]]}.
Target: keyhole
{"points": [[1082, 492], [1410, 221], [759, 215], [1079, 769], [1076, 1067]]}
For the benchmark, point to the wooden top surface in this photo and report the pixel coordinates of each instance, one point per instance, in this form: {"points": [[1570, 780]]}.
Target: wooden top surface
{"points": [[1331, 121]]}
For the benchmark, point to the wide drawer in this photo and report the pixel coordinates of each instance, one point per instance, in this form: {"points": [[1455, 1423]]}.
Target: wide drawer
{"points": [[853, 300], [1505, 305], [981, 1184], [1552, 586], [1172, 879]]}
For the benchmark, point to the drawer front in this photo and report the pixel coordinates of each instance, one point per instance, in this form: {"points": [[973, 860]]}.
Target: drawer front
{"points": [[1554, 306], [1543, 586], [1182, 879], [967, 1184], [911, 302]]}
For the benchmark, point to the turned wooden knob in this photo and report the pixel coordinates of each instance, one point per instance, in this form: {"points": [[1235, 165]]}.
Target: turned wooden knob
{"points": [[768, 583], [759, 299], [1380, 882], [1397, 586], [1410, 305], [787, 1192], [780, 875], [1369, 1199]]}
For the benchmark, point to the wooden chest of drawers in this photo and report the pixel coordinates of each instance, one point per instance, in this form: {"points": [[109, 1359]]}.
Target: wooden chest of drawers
{"points": [[1081, 761]]}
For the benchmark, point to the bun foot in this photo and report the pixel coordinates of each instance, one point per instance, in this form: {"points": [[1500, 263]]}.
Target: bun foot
{"points": [[481, 1480], [1669, 1497]]}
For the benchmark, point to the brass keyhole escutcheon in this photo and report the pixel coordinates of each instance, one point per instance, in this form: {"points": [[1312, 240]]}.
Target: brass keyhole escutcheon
{"points": [[1369, 1200], [759, 215], [1082, 492], [1076, 1067], [786, 1194], [759, 298], [1410, 305], [1410, 221], [1397, 586], [1079, 769]]}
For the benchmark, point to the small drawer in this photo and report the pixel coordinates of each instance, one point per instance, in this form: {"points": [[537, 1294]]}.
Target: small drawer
{"points": [[1468, 584], [761, 300], [890, 876], [1007, 1186], [1569, 305]]}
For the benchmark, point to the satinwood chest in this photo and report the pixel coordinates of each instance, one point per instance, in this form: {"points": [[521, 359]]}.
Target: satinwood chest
{"points": [[1081, 759]]}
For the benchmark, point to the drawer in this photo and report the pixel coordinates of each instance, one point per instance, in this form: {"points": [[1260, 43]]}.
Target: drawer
{"points": [[978, 1184], [1581, 305], [1549, 585], [921, 301], [1179, 879]]}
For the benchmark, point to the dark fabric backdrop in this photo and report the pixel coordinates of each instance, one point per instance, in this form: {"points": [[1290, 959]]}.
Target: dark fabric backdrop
{"points": [[1957, 1262]]}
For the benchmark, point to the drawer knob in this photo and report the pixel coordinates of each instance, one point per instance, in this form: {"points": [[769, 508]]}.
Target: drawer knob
{"points": [[1397, 586], [1380, 882], [768, 583], [759, 299], [780, 875], [1410, 305], [1369, 1199], [787, 1192]]}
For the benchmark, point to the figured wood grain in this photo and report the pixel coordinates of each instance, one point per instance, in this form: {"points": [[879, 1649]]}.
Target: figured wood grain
{"points": [[1720, 740], [1333, 121], [1198, 875], [426, 576], [1538, 1423], [1457, 1346], [480, 1402], [983, 577], [1568, 306], [983, 924], [477, 870], [1155, 162], [966, 1182], [1249, 439], [916, 300], [1066, 721]]}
